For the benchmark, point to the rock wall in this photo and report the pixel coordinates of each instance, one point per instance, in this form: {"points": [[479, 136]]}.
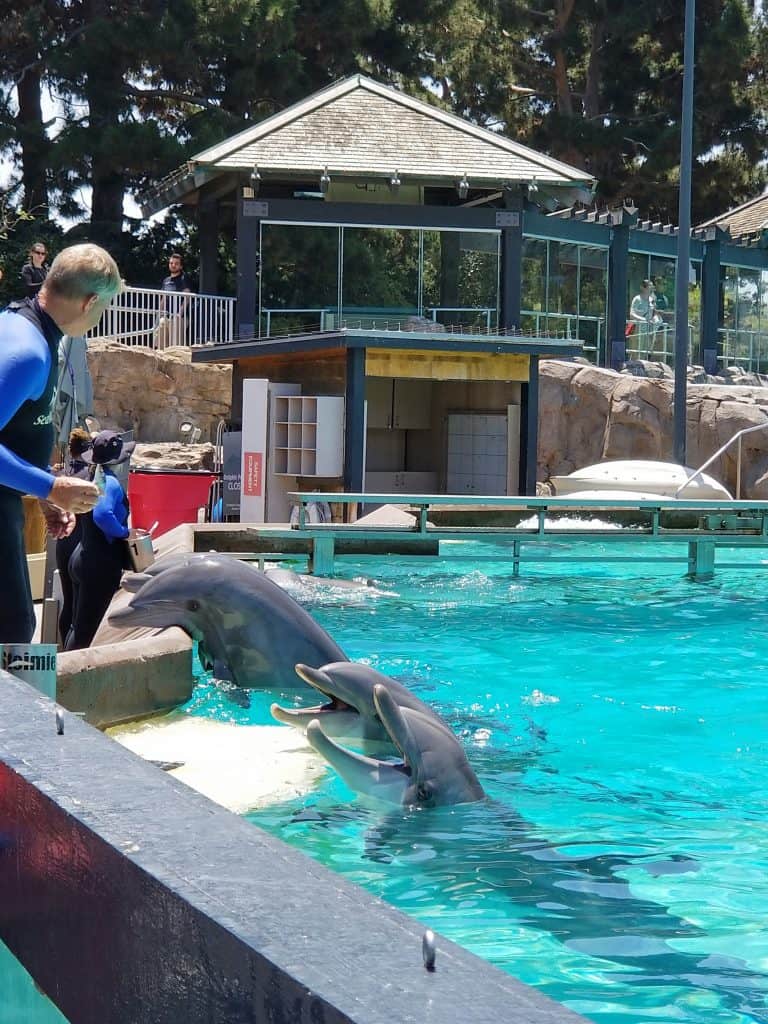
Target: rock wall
{"points": [[153, 393], [588, 414]]}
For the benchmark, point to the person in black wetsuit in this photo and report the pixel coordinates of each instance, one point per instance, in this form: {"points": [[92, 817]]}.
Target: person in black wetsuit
{"points": [[79, 442], [35, 272], [99, 559], [80, 285]]}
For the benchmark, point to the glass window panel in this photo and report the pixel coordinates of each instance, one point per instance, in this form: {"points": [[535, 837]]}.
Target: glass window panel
{"points": [[380, 281], [763, 301], [299, 277], [748, 306], [563, 277], [730, 296], [534, 283], [461, 278], [662, 273], [593, 299], [694, 298], [638, 270]]}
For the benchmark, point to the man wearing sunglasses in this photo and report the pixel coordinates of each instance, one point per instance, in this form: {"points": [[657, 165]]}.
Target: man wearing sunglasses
{"points": [[34, 273]]}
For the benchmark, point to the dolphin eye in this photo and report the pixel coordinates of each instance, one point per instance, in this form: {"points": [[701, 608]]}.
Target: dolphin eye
{"points": [[193, 605]]}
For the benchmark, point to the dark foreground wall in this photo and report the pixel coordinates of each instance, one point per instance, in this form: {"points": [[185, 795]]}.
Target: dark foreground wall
{"points": [[131, 898]]}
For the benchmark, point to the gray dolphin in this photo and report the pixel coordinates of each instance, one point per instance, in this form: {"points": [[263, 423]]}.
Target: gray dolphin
{"points": [[288, 579], [350, 713], [434, 770], [134, 581], [249, 630]]}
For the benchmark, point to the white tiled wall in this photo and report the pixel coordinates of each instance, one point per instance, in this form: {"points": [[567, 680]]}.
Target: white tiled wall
{"points": [[477, 453]]}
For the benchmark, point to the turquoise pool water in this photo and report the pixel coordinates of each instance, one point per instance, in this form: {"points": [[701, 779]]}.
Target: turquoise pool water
{"points": [[21, 1001], [616, 716]]}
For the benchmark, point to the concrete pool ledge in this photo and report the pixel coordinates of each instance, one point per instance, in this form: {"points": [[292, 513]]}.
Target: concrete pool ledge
{"points": [[130, 679], [129, 897]]}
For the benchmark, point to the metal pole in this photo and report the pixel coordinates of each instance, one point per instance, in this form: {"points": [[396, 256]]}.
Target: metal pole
{"points": [[684, 237]]}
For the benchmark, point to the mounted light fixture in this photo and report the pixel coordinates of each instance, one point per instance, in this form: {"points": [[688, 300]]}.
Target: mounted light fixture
{"points": [[533, 188], [255, 179], [325, 181], [462, 187], [189, 433], [394, 181]]}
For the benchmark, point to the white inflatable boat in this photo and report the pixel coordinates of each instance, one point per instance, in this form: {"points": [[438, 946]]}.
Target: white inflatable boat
{"points": [[638, 479]]}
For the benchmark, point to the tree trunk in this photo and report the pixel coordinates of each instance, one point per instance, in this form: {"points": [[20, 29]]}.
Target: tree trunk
{"points": [[104, 91], [34, 144], [563, 11], [594, 70]]}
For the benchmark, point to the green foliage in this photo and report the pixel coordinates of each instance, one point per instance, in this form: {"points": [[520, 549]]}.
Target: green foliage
{"points": [[143, 84]]}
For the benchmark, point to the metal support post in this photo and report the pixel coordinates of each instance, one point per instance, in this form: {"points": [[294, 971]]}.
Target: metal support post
{"points": [[701, 560]]}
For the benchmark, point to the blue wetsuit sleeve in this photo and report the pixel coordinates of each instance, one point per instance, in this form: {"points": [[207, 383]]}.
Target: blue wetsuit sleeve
{"points": [[24, 368], [110, 513]]}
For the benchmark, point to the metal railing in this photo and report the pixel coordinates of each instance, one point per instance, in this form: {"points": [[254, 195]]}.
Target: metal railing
{"points": [[573, 329], [151, 318], [317, 321], [486, 312], [723, 448], [744, 348], [654, 341]]}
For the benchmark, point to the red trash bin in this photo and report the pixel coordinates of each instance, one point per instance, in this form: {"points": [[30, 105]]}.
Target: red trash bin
{"points": [[167, 497]]}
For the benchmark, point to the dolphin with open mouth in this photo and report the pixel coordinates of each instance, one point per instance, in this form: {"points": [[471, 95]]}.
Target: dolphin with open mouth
{"points": [[434, 770], [350, 714], [249, 630]]}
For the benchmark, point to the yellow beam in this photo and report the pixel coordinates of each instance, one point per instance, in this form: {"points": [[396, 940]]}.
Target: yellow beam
{"points": [[478, 366]]}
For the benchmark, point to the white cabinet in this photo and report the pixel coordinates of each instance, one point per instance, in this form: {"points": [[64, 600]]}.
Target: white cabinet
{"points": [[479, 452], [308, 437]]}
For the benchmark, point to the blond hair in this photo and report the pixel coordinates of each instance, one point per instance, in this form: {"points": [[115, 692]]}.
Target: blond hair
{"points": [[80, 271]]}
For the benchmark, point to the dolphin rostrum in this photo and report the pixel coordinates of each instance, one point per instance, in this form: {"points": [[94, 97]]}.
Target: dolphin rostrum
{"points": [[249, 630], [350, 714], [434, 770]]}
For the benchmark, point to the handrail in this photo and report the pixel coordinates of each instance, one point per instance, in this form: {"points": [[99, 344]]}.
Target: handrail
{"points": [[737, 436], [664, 502]]}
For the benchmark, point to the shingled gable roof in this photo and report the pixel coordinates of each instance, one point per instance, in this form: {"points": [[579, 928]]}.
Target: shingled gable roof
{"points": [[746, 219], [358, 127]]}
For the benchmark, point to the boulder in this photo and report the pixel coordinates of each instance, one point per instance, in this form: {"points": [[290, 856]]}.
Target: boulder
{"points": [[153, 393]]}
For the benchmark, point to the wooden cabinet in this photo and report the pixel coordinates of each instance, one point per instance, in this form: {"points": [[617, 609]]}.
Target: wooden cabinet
{"points": [[412, 405], [404, 482], [308, 435], [399, 404], [378, 394]]}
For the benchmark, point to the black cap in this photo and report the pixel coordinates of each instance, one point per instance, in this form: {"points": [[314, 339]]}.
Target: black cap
{"points": [[108, 449]]}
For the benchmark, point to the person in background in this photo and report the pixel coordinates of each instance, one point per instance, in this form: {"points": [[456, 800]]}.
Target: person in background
{"points": [[79, 442], [172, 327], [99, 559], [644, 319], [80, 285], [35, 272]]}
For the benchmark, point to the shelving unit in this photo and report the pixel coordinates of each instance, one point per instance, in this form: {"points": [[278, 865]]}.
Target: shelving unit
{"points": [[308, 435]]}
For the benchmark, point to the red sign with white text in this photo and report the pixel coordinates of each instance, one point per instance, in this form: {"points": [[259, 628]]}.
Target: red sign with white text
{"points": [[252, 477]]}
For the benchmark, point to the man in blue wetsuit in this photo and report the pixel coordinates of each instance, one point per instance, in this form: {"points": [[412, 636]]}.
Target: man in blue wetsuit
{"points": [[81, 283], [99, 559]]}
